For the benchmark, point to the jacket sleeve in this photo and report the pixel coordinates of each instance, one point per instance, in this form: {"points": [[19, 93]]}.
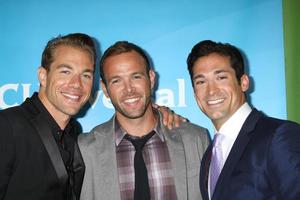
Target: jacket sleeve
{"points": [[284, 161], [7, 154], [206, 140]]}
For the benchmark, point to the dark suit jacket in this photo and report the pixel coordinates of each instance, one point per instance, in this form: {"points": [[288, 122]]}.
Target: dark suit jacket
{"points": [[31, 167], [264, 162]]}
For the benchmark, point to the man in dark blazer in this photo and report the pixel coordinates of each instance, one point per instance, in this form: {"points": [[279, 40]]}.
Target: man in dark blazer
{"points": [[40, 158], [253, 156]]}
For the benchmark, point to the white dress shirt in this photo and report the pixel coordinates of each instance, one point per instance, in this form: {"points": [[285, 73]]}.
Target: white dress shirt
{"points": [[230, 130]]}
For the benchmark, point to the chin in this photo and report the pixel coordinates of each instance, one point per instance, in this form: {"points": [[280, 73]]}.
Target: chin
{"points": [[134, 116], [72, 112], [213, 116]]}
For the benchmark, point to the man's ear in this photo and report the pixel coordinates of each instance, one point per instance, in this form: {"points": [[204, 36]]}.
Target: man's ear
{"points": [[245, 82], [103, 86], [42, 76], [152, 78]]}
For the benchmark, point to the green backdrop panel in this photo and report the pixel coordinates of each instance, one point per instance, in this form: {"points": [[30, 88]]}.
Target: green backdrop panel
{"points": [[291, 16]]}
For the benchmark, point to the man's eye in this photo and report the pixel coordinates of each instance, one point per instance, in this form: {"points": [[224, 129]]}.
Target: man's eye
{"points": [[137, 77], [65, 72], [222, 77], [87, 76], [199, 82], [115, 81]]}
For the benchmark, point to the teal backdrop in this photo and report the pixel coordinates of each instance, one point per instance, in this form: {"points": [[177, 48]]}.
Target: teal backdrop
{"points": [[167, 30]]}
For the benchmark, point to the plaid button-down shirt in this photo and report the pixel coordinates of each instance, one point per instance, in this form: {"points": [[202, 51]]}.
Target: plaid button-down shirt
{"points": [[158, 163]]}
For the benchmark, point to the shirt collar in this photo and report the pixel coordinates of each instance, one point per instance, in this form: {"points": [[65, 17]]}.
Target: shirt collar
{"points": [[233, 125], [51, 121], [120, 132]]}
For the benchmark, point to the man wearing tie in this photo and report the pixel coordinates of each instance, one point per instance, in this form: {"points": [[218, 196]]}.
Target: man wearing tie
{"points": [[252, 156], [133, 156]]}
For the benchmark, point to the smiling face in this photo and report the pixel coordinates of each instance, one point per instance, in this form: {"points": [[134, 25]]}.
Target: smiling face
{"points": [[217, 91], [128, 84], [67, 85]]}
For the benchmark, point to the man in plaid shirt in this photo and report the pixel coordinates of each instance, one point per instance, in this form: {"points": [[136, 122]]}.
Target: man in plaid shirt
{"points": [[172, 157]]}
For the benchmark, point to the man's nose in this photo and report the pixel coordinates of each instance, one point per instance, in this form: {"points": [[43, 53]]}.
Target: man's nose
{"points": [[212, 87], [76, 81]]}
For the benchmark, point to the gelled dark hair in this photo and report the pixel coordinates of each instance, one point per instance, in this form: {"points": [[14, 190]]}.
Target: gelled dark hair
{"points": [[206, 47]]}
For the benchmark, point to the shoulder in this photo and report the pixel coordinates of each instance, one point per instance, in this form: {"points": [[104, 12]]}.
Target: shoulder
{"points": [[278, 136], [192, 130], [10, 112], [284, 157], [186, 128], [264, 125], [275, 125], [11, 116], [20, 112], [272, 133], [194, 138], [285, 131], [192, 133], [98, 133], [12, 124]]}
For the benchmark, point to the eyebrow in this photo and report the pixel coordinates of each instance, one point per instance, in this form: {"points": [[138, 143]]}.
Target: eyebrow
{"points": [[71, 68], [111, 78], [215, 73], [89, 70], [220, 71], [63, 66], [133, 74], [198, 76], [138, 73]]}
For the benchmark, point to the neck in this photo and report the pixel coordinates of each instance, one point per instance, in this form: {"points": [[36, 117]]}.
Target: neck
{"points": [[139, 126], [220, 122], [61, 119], [62, 123]]}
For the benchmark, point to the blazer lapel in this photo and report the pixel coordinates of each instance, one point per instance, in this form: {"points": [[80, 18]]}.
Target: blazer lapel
{"points": [[106, 155], [43, 130], [204, 172], [79, 168], [51, 147], [236, 152], [177, 156]]}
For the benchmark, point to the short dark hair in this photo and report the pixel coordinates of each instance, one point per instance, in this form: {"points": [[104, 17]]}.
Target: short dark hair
{"points": [[77, 40], [206, 47], [119, 48]]}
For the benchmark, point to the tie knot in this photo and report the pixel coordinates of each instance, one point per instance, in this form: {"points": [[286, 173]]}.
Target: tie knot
{"points": [[218, 138], [139, 142]]}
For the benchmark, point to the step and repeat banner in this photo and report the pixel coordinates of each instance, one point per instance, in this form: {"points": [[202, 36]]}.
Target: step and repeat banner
{"points": [[167, 30]]}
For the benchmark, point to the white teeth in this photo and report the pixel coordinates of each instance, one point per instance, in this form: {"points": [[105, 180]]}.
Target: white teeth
{"points": [[75, 97], [212, 102], [131, 100]]}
